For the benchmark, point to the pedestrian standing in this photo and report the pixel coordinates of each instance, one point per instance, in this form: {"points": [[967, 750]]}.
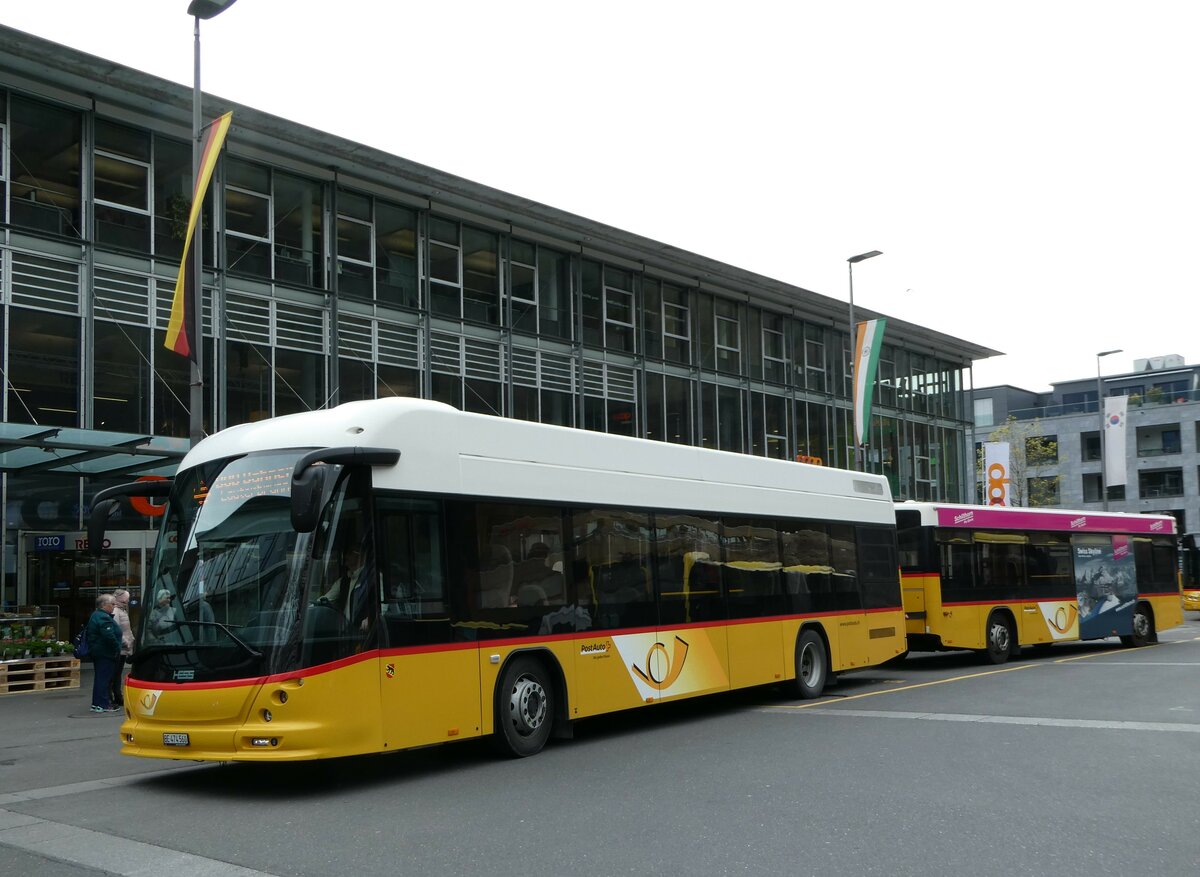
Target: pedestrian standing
{"points": [[121, 615], [104, 647]]}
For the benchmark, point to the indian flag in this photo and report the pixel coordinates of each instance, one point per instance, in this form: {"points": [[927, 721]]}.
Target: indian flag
{"points": [[867, 345]]}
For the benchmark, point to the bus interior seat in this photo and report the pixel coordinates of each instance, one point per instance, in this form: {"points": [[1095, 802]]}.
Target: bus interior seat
{"points": [[531, 595], [495, 578], [535, 573], [620, 582], [705, 575]]}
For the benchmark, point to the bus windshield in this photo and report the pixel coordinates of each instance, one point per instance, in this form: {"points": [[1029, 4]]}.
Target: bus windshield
{"points": [[232, 579]]}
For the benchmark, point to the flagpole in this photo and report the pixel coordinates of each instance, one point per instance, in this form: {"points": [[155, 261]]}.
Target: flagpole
{"points": [[196, 399], [199, 9]]}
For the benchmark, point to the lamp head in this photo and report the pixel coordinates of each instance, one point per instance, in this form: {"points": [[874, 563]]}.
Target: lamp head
{"points": [[861, 256], [1107, 353], [207, 9]]}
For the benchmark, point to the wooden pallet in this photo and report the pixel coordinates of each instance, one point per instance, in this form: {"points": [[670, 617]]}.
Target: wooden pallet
{"points": [[38, 674]]}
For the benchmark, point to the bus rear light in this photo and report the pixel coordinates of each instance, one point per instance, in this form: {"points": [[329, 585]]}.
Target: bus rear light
{"points": [[264, 741], [266, 714]]}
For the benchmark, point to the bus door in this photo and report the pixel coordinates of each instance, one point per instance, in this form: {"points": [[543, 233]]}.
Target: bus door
{"points": [[1051, 615], [624, 658], [429, 681], [1105, 585], [753, 581]]}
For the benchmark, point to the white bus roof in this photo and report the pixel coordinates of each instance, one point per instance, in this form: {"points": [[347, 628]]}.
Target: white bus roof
{"points": [[982, 517], [446, 451]]}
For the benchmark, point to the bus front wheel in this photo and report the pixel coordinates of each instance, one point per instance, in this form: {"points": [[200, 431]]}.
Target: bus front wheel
{"points": [[524, 708], [1001, 639], [1143, 628], [812, 665]]}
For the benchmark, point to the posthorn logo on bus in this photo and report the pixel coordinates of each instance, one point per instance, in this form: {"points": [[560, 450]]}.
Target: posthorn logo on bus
{"points": [[662, 669], [997, 484]]}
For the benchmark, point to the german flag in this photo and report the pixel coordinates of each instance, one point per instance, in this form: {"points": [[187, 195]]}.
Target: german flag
{"points": [[181, 330]]}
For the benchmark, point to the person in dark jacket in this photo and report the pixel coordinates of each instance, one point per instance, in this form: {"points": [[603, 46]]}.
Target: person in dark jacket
{"points": [[104, 648]]}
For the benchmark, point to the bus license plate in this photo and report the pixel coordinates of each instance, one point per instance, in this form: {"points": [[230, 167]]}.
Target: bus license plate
{"points": [[176, 740]]}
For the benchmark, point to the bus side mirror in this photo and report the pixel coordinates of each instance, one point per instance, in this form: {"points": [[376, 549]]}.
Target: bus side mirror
{"points": [[307, 489], [308, 479], [97, 522], [105, 502]]}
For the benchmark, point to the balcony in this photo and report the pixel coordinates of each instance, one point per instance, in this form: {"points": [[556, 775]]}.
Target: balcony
{"points": [[1135, 402]]}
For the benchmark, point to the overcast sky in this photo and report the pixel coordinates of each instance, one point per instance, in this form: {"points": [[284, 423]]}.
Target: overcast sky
{"points": [[1028, 169]]}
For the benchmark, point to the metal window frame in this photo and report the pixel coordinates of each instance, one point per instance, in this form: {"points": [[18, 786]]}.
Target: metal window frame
{"points": [[148, 166]]}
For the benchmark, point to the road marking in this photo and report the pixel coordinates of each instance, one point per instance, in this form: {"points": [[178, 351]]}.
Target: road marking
{"points": [[1141, 663], [91, 785], [1177, 727], [803, 706], [1084, 657], [60, 842]]}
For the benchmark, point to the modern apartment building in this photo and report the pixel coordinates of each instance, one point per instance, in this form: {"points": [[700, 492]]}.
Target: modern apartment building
{"points": [[1162, 437]]}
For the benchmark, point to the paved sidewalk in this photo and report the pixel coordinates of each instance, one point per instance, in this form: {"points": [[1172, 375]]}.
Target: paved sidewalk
{"points": [[50, 738]]}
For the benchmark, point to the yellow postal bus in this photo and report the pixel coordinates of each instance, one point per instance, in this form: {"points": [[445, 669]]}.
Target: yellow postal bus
{"points": [[1189, 567], [395, 573], [995, 579]]}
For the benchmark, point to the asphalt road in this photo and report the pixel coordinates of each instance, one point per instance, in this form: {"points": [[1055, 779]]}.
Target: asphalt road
{"points": [[1082, 761]]}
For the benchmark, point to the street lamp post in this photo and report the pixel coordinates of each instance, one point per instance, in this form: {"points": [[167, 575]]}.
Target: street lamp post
{"points": [[199, 9], [851, 261], [1100, 408]]}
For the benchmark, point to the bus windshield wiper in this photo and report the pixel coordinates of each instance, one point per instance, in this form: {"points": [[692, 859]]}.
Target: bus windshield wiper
{"points": [[250, 651]]}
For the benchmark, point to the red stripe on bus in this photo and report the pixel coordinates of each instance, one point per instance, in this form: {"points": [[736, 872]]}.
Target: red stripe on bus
{"points": [[499, 642]]}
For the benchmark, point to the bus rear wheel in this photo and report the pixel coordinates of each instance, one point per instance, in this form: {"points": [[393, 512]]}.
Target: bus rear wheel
{"points": [[812, 666], [1001, 639], [524, 708], [1143, 628]]}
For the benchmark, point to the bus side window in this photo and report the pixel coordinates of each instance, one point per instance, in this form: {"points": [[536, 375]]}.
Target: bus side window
{"points": [[414, 609], [615, 544], [687, 555], [808, 575]]}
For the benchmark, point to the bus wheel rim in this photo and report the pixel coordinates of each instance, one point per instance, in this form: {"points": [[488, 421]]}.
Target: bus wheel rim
{"points": [[527, 705], [809, 664], [1141, 624], [1000, 636]]}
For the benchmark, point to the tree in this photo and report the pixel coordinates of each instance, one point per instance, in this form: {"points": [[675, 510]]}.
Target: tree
{"points": [[1028, 449]]}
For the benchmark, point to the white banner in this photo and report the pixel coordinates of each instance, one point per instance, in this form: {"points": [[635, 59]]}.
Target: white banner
{"points": [[996, 466], [1115, 415]]}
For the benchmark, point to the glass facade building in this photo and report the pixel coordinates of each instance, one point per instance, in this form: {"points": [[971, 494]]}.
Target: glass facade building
{"points": [[334, 272]]}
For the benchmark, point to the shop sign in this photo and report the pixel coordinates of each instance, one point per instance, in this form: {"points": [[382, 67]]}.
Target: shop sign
{"points": [[53, 542]]}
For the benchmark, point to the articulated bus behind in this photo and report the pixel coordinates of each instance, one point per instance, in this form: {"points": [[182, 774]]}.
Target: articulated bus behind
{"points": [[996, 579], [1189, 569]]}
